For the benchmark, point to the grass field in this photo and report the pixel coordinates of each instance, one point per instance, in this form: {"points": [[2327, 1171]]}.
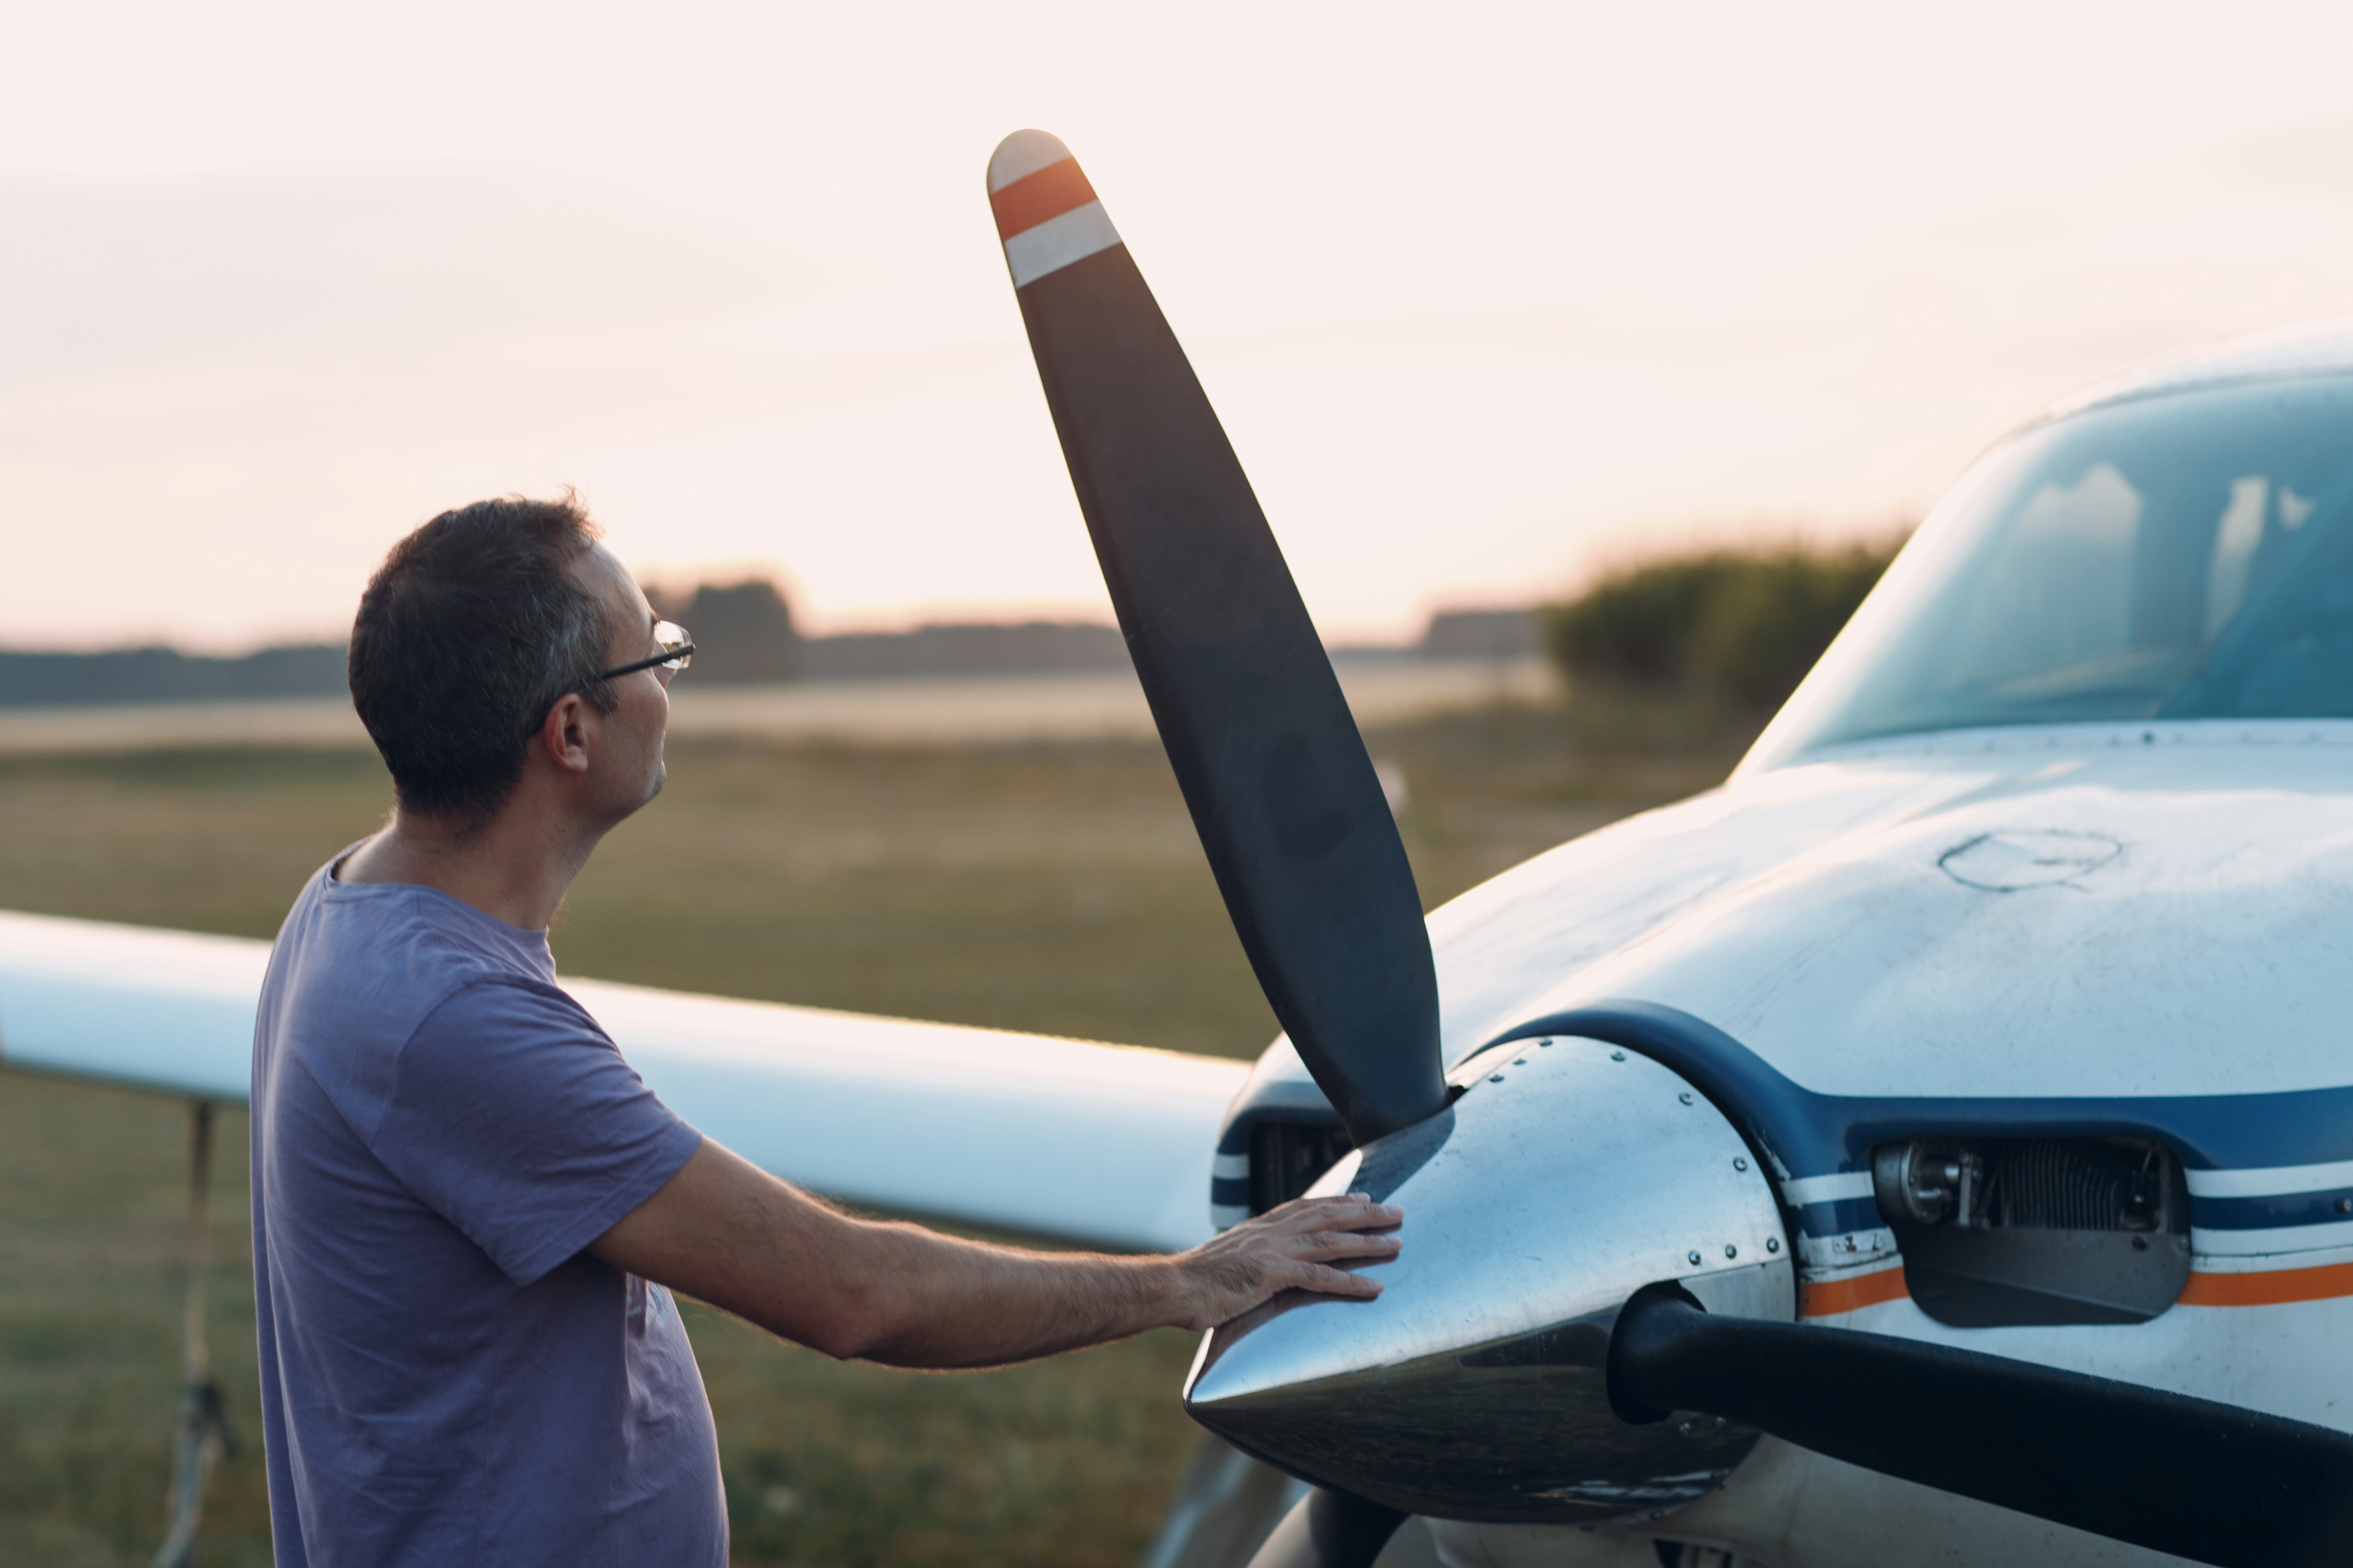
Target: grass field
{"points": [[1053, 888]]}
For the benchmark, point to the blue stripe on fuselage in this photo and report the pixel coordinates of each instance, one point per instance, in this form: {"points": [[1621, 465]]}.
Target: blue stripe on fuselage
{"points": [[1838, 1218], [2272, 1212], [1801, 1133]]}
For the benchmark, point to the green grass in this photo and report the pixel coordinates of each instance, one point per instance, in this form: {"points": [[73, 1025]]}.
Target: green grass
{"points": [[92, 1227], [1047, 887]]}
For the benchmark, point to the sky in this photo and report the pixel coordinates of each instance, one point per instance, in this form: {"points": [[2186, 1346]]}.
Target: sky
{"points": [[1488, 297]]}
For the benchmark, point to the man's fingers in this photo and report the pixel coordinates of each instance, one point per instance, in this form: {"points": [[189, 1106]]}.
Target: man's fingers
{"points": [[1316, 1245], [1293, 1248], [1355, 1212], [1342, 1244], [1338, 1282]]}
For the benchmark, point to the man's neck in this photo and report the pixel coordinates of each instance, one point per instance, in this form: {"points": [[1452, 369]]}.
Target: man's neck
{"points": [[510, 867]]}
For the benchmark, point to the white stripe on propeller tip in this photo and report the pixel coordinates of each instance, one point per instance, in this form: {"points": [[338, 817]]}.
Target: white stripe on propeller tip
{"points": [[1022, 155], [1056, 243]]}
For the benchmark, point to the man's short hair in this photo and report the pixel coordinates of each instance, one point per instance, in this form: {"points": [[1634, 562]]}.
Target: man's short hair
{"points": [[467, 634]]}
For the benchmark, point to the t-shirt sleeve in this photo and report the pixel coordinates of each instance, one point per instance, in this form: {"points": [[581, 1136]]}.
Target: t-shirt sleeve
{"points": [[515, 1117]]}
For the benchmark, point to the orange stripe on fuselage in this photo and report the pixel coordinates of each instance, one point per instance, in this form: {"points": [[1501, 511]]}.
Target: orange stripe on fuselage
{"points": [[1829, 1296], [1033, 198], [2270, 1288]]}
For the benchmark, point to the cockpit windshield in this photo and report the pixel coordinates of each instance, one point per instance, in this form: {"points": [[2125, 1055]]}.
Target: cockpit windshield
{"points": [[2183, 556]]}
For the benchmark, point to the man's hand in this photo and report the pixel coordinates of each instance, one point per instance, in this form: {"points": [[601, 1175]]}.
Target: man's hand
{"points": [[1290, 1247]]}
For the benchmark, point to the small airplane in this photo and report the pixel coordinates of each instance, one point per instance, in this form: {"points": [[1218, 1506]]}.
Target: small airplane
{"points": [[1934, 1143]]}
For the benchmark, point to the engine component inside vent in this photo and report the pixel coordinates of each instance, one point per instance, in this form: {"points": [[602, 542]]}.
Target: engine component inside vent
{"points": [[1287, 1156], [1998, 1232]]}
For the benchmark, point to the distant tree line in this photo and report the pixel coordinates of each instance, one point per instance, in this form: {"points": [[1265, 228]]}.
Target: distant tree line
{"points": [[1737, 630], [166, 675], [744, 633]]}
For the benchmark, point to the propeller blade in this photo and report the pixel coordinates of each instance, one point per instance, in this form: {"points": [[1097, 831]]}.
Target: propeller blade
{"points": [[2210, 1482], [1281, 792], [1329, 1529]]}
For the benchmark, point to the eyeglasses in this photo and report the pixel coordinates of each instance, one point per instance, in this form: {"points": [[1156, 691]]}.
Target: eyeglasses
{"points": [[677, 653]]}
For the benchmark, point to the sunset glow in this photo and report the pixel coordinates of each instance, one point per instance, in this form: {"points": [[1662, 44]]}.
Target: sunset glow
{"points": [[1481, 302]]}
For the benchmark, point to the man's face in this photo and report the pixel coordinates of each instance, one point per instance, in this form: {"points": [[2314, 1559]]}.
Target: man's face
{"points": [[627, 767]]}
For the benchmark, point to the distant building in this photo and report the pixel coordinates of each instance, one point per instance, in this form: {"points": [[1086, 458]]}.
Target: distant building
{"points": [[1481, 634]]}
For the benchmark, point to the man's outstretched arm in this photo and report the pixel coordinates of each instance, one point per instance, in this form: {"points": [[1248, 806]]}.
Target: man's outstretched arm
{"points": [[727, 1232]]}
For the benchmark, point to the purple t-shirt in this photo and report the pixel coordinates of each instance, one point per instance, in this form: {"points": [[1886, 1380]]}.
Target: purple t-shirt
{"points": [[438, 1130]]}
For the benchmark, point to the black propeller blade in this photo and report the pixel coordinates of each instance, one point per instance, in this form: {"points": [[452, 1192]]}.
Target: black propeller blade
{"points": [[1280, 790], [1329, 1530], [2211, 1482]]}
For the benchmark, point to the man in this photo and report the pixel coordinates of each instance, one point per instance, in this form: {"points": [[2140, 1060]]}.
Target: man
{"points": [[469, 1212]]}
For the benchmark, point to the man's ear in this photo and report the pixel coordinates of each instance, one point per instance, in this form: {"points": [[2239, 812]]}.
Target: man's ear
{"points": [[563, 735]]}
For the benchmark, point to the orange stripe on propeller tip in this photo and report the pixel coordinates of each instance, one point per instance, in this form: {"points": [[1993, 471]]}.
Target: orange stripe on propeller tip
{"points": [[1034, 199]]}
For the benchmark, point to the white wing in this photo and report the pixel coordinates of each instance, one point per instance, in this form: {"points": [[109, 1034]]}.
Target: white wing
{"points": [[1104, 1144]]}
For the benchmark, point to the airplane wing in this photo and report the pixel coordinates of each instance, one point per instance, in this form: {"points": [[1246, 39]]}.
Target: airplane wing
{"points": [[1101, 1143]]}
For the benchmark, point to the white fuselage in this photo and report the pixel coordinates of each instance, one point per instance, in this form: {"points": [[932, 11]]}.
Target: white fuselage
{"points": [[2126, 913]]}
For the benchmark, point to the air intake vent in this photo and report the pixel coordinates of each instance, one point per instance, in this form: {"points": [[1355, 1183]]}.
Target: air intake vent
{"points": [[2068, 1184], [1286, 1157], [2005, 1232]]}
